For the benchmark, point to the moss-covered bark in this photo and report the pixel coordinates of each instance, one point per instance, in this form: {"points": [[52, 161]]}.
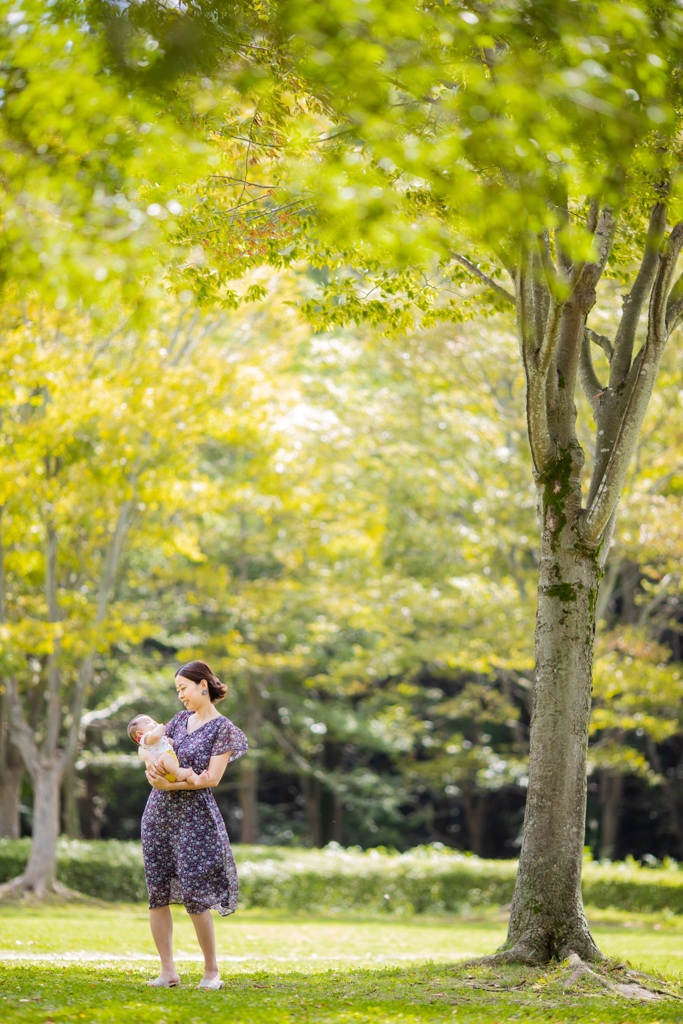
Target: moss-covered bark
{"points": [[547, 918]]}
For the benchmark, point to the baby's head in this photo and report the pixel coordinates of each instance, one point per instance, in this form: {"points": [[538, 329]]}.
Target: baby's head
{"points": [[139, 725]]}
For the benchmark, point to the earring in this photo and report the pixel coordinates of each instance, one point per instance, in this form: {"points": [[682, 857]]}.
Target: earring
{"points": [[204, 693]]}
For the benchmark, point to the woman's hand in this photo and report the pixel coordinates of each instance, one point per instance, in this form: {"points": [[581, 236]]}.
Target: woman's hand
{"points": [[156, 779]]}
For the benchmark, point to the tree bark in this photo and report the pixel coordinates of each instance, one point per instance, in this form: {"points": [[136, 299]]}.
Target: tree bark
{"points": [[40, 875], [547, 918]]}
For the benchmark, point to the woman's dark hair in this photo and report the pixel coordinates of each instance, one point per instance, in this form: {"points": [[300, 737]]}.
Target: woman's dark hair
{"points": [[199, 672]]}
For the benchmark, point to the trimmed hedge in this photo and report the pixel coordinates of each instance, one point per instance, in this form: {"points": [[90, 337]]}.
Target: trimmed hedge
{"points": [[425, 880]]}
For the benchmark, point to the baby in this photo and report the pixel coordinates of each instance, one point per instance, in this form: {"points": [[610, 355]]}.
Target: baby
{"points": [[154, 747]]}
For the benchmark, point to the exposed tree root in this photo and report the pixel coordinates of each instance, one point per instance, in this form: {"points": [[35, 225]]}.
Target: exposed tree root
{"points": [[572, 974], [627, 985], [23, 889], [521, 953]]}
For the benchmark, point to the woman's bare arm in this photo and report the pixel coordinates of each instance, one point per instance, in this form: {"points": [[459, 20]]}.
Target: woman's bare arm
{"points": [[217, 766]]}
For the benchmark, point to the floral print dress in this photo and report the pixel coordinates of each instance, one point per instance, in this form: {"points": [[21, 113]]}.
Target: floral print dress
{"points": [[185, 844]]}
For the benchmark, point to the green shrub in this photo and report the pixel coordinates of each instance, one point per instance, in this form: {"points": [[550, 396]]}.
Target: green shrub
{"points": [[425, 880], [107, 869]]}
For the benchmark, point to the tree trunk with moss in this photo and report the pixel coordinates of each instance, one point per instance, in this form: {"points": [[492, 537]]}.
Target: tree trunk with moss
{"points": [[547, 918], [554, 295]]}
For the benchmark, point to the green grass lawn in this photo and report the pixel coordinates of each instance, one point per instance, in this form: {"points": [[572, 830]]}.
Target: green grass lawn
{"points": [[75, 963]]}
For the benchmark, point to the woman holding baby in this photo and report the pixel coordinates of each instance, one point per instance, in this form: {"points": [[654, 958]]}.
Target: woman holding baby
{"points": [[185, 844]]}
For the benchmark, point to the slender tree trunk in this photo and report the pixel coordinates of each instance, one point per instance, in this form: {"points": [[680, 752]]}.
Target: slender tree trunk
{"points": [[10, 793], [72, 818], [311, 787], [672, 787], [249, 775], [11, 764], [330, 817], [611, 790], [39, 876], [474, 806], [11, 773], [547, 918], [92, 815]]}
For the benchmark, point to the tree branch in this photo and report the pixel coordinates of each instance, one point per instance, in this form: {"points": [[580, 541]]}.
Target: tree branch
{"points": [[604, 238], [600, 340], [488, 281], [54, 715], [105, 591], [589, 379], [21, 728], [634, 301], [663, 285], [550, 337], [606, 488], [674, 307], [540, 443], [564, 260]]}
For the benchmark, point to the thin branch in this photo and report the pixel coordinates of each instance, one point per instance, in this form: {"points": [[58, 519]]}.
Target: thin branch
{"points": [[590, 382], [102, 714], [564, 261], [337, 135], [241, 181], [255, 142], [600, 340], [550, 337], [674, 315], [488, 281], [247, 154]]}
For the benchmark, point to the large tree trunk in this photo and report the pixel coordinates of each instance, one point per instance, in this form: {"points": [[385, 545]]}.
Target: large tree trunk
{"points": [[39, 876], [547, 918]]}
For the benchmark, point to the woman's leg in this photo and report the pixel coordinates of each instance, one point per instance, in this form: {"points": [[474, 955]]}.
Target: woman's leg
{"points": [[161, 925], [203, 925]]}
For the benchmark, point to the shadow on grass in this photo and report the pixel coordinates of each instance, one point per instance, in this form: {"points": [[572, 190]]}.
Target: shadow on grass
{"points": [[42, 993]]}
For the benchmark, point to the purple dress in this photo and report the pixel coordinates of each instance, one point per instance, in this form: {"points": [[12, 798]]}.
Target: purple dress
{"points": [[185, 844]]}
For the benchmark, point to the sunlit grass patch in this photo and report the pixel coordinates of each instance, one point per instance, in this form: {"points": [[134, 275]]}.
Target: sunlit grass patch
{"points": [[284, 969]]}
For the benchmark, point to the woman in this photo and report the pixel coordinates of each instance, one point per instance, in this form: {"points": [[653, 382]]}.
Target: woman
{"points": [[185, 844]]}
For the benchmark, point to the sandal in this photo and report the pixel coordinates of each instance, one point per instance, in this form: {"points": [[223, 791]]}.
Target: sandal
{"points": [[213, 983], [162, 982]]}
